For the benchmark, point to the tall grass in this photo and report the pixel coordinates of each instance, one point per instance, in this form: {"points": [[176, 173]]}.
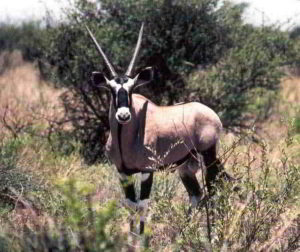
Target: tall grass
{"points": [[71, 207], [26, 100], [51, 201]]}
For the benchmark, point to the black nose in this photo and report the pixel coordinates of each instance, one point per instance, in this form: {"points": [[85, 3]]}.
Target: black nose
{"points": [[124, 118]]}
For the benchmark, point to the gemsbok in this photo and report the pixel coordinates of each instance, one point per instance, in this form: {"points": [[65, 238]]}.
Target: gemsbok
{"points": [[136, 124]]}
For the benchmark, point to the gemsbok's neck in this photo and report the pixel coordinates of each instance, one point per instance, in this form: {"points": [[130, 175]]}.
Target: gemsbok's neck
{"points": [[123, 135]]}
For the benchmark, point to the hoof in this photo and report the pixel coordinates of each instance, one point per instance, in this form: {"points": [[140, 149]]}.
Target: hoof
{"points": [[228, 177]]}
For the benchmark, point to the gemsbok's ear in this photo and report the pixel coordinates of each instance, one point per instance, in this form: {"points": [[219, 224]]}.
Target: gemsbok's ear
{"points": [[99, 80], [144, 77]]}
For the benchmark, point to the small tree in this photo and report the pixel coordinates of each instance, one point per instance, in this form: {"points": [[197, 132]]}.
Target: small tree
{"points": [[240, 61], [27, 37]]}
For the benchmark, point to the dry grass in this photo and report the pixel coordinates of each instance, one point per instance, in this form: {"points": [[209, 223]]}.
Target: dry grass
{"points": [[290, 87], [275, 129], [26, 100], [275, 133]]}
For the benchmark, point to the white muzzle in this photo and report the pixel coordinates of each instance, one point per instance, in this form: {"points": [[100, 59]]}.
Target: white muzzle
{"points": [[123, 115]]}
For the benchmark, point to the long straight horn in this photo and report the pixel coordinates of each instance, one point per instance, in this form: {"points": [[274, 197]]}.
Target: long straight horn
{"points": [[108, 64], [136, 51]]}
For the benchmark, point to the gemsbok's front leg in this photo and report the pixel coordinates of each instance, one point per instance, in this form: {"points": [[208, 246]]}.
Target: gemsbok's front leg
{"points": [[146, 185], [127, 183]]}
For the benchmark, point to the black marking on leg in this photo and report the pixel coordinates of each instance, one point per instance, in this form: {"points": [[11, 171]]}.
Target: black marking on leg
{"points": [[213, 168], [211, 176], [142, 226], [128, 187], [191, 184], [132, 224], [146, 186]]}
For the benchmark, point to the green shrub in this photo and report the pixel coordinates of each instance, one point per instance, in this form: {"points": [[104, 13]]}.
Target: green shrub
{"points": [[11, 178], [246, 80], [240, 62], [26, 37], [82, 228], [189, 32]]}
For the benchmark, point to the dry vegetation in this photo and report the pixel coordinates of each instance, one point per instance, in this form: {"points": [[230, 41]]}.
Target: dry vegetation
{"points": [[26, 100], [50, 199]]}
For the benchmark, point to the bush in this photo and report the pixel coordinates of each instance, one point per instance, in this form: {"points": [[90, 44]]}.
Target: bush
{"points": [[11, 178], [27, 38], [245, 81], [239, 62], [81, 229]]}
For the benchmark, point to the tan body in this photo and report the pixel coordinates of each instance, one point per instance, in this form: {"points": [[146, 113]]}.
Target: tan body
{"points": [[192, 125]]}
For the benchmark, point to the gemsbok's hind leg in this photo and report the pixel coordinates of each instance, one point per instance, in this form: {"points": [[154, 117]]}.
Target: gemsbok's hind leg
{"points": [[214, 168], [146, 185], [191, 184], [127, 183]]}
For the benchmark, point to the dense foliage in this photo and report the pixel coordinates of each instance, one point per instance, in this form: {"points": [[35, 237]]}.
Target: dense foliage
{"points": [[201, 50], [26, 37]]}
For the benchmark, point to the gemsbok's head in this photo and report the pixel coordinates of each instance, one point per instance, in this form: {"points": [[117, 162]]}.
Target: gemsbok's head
{"points": [[121, 86]]}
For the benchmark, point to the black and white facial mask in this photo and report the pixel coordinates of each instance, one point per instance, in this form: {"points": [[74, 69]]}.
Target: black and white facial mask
{"points": [[121, 86]]}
